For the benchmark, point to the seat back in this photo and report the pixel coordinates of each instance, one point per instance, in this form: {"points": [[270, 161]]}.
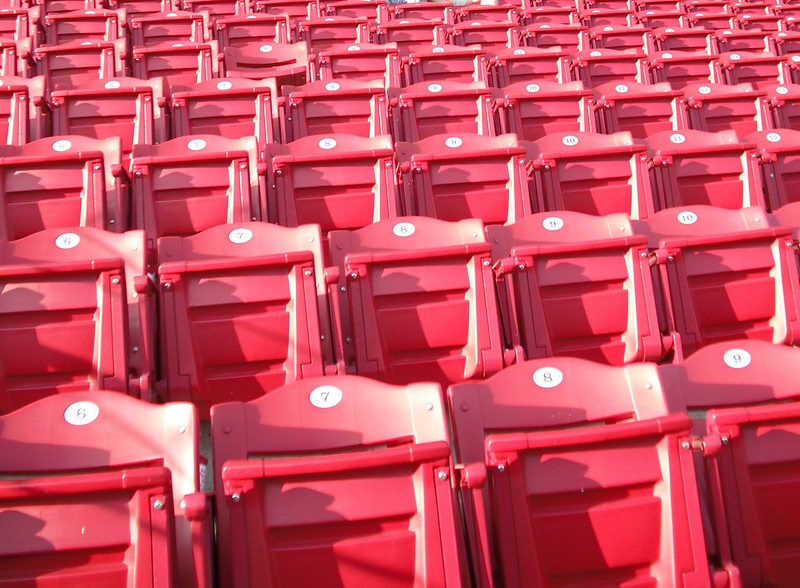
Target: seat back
{"points": [[445, 63], [410, 34], [340, 479], [640, 109], [362, 62], [717, 107], [591, 173], [74, 64], [680, 68], [168, 27], [565, 460], [415, 300], [758, 69], [488, 35], [189, 184], [724, 275], [324, 32], [779, 166], [691, 167], [104, 489], [599, 66], [456, 177], [23, 117], [246, 29], [83, 25], [72, 315], [783, 105], [743, 396], [182, 64], [240, 311], [533, 110], [521, 64], [577, 285], [65, 181]]}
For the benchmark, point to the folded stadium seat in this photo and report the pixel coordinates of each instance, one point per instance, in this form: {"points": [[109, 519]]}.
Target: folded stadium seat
{"points": [[180, 64], [294, 9], [55, 6], [759, 69], [415, 301], [188, 184], [456, 177], [103, 491], [743, 398], [336, 181], [65, 181], [712, 20], [488, 35], [372, 10], [73, 64], [217, 9], [619, 37], [578, 285], [573, 473], [168, 27], [76, 315], [680, 39], [599, 66], [680, 68], [362, 62], [20, 22], [640, 109], [247, 29], [241, 311], [737, 40], [784, 42], [332, 107], [325, 32], [533, 110], [340, 481], [692, 167], [501, 12], [528, 64], [724, 275], [768, 23], [135, 8], [410, 34], [445, 63], [23, 113], [718, 107], [84, 25], [568, 37], [782, 104], [286, 63], [590, 173], [232, 108], [540, 13], [133, 110], [432, 108], [658, 18], [439, 11], [777, 153], [595, 17]]}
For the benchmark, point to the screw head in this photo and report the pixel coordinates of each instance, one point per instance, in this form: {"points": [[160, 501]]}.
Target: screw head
{"points": [[158, 505]]}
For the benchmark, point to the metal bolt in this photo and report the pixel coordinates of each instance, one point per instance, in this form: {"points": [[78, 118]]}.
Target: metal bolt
{"points": [[348, 340], [236, 497], [354, 276], [167, 286], [307, 272], [521, 267], [442, 476], [685, 445], [158, 505], [501, 468], [135, 349], [429, 407], [342, 289], [725, 439], [115, 281], [486, 263]]}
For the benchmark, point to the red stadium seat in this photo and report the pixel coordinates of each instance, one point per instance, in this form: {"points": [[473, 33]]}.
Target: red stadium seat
{"points": [[65, 181], [724, 275], [569, 37], [777, 153], [286, 63], [456, 177], [132, 109], [640, 109], [73, 64], [337, 181], [362, 62], [340, 480], [410, 34], [240, 311], [782, 103], [234, 108], [336, 106], [619, 37], [83, 25], [590, 173], [743, 398], [217, 9], [426, 109], [76, 315], [189, 184], [562, 462], [691, 167], [758, 69], [680, 68], [415, 301], [23, 110], [490, 36], [168, 27], [248, 29], [103, 490], [534, 110], [181, 64], [446, 63], [577, 285], [325, 32], [675, 39], [718, 107], [525, 64], [599, 66]]}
